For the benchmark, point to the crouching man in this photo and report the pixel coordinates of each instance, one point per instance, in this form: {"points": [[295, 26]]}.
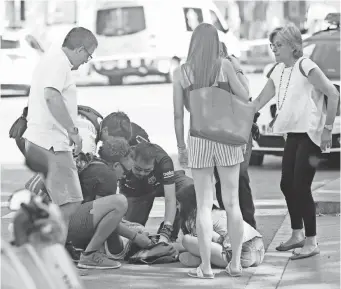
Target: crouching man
{"points": [[152, 175]]}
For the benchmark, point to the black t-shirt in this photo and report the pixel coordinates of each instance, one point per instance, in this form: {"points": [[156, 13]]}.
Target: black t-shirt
{"points": [[163, 174], [98, 179]]}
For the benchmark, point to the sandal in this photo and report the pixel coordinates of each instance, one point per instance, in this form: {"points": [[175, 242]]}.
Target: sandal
{"points": [[233, 274], [198, 273]]}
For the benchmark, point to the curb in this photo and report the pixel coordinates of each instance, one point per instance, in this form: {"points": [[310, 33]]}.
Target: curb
{"points": [[327, 201], [269, 274]]}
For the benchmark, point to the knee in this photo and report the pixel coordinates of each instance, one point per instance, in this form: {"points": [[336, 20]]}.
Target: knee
{"points": [[119, 203], [284, 186], [186, 240]]}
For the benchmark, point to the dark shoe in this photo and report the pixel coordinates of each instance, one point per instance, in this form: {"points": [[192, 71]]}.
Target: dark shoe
{"points": [[283, 248], [296, 256], [73, 252]]}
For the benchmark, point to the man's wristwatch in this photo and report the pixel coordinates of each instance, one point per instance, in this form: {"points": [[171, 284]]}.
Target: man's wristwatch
{"points": [[166, 231], [74, 130], [328, 127]]}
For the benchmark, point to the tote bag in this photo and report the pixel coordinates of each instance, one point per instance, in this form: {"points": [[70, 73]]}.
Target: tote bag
{"points": [[218, 115]]}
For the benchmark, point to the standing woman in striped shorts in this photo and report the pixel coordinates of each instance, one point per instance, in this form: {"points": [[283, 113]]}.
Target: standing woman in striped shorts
{"points": [[205, 68]]}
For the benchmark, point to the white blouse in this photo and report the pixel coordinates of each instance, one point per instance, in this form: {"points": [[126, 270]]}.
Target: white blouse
{"points": [[302, 110]]}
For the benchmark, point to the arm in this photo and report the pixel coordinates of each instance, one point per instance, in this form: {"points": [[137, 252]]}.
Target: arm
{"points": [[170, 204], [266, 94], [178, 105], [236, 85], [58, 109], [317, 78], [241, 77]]}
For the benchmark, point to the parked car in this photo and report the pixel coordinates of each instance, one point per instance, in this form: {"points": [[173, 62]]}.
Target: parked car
{"points": [[146, 37], [323, 48], [19, 54]]}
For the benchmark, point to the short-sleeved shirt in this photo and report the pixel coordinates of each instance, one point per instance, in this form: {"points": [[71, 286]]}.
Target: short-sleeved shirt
{"points": [[98, 179], [54, 71], [302, 110], [163, 174]]}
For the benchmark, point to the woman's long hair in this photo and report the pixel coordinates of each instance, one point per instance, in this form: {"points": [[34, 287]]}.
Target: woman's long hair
{"points": [[188, 210], [203, 55]]}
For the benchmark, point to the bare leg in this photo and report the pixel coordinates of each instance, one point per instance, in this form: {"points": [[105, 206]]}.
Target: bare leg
{"points": [[191, 245], [107, 214], [229, 177], [204, 195]]}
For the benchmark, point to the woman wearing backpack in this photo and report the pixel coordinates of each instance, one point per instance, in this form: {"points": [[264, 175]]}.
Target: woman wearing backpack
{"points": [[205, 68], [303, 116]]}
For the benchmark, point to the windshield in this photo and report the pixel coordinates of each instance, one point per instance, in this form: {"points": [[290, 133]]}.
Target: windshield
{"points": [[326, 55], [9, 44], [120, 21]]}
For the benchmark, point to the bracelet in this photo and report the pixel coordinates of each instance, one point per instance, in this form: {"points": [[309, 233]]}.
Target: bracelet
{"points": [[239, 71]]}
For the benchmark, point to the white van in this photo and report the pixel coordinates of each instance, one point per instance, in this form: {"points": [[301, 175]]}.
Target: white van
{"points": [[150, 37]]}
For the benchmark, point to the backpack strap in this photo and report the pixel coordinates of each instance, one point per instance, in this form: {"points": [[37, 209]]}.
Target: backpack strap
{"points": [[301, 69], [271, 70], [91, 114]]}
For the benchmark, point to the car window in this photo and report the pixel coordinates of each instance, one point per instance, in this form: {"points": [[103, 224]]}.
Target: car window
{"points": [[327, 56], [193, 17], [9, 44], [215, 21], [120, 21]]}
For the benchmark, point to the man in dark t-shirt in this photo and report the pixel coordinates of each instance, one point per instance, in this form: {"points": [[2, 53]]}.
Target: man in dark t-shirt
{"points": [[152, 175]]}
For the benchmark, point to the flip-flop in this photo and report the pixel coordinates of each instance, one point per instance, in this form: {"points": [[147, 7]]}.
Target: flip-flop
{"points": [[189, 260], [229, 272], [283, 248], [297, 256], [198, 273]]}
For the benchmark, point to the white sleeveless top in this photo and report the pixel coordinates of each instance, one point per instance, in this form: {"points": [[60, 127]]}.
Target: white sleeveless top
{"points": [[303, 109]]}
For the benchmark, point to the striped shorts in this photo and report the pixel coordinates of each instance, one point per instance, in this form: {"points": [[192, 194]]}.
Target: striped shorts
{"points": [[203, 153]]}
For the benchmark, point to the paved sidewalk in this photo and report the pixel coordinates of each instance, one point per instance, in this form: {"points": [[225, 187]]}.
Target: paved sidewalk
{"points": [[318, 272]]}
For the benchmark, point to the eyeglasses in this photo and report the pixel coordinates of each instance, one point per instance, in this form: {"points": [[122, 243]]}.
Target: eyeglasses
{"points": [[89, 55], [277, 46]]}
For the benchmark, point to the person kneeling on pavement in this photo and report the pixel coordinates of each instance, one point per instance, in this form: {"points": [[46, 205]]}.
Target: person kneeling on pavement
{"points": [[221, 253], [152, 175], [98, 221]]}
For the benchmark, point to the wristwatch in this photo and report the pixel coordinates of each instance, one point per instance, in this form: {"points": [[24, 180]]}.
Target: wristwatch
{"points": [[166, 231], [74, 130], [328, 127]]}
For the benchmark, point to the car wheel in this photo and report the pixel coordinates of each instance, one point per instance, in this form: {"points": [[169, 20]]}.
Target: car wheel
{"points": [[256, 159], [115, 80], [175, 63]]}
